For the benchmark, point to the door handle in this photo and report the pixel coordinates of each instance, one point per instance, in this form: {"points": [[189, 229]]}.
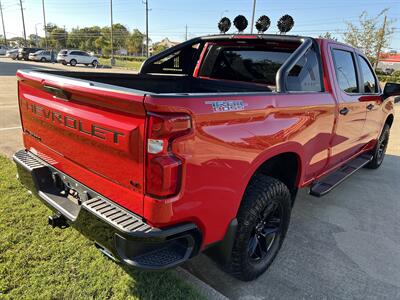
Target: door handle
{"points": [[370, 106], [344, 111]]}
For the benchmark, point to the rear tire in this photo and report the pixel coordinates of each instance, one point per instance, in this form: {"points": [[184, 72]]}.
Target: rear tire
{"points": [[380, 149], [43, 59], [73, 62], [263, 220]]}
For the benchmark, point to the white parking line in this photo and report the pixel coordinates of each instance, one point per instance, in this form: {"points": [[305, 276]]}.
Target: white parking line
{"points": [[10, 128]]}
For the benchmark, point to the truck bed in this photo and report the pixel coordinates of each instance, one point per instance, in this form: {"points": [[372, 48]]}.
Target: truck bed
{"points": [[164, 84]]}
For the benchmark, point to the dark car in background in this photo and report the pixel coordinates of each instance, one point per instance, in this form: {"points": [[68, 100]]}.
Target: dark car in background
{"points": [[23, 53]]}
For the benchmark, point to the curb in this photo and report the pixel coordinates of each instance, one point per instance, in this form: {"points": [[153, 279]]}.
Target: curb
{"points": [[204, 289]]}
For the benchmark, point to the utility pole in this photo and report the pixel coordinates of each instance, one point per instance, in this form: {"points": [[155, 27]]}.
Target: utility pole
{"points": [[381, 39], [186, 33], [36, 35], [45, 24], [65, 37], [146, 2], [112, 36], [4, 29], [23, 21], [252, 16]]}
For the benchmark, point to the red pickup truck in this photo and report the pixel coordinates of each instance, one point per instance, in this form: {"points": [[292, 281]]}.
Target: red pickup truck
{"points": [[204, 149]]}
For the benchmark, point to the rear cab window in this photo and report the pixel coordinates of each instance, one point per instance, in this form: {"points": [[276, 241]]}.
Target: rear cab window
{"points": [[247, 61], [260, 63]]}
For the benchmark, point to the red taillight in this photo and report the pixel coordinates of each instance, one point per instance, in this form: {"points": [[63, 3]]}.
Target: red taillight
{"points": [[163, 172]]}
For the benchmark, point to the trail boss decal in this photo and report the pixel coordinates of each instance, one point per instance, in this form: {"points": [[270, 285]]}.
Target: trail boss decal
{"points": [[227, 105]]}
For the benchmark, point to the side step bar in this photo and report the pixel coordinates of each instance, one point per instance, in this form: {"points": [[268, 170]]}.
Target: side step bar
{"points": [[329, 182]]}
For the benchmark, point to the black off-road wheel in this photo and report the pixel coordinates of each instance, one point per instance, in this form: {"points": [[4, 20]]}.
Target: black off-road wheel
{"points": [[263, 220], [380, 149]]}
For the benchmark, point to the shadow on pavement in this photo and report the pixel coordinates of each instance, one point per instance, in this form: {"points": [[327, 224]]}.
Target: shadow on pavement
{"points": [[10, 68], [344, 245]]}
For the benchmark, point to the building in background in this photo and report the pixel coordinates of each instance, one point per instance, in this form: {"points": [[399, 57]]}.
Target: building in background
{"points": [[162, 45], [389, 62]]}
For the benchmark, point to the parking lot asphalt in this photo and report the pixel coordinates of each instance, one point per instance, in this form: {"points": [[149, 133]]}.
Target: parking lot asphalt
{"points": [[344, 245]]}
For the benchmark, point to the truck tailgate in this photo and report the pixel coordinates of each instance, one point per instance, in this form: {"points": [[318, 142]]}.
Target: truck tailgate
{"points": [[95, 126]]}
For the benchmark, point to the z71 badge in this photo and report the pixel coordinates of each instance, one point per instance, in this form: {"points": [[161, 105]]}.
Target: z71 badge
{"points": [[227, 105]]}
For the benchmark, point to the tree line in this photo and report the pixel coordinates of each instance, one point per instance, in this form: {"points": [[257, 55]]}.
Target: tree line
{"points": [[95, 38]]}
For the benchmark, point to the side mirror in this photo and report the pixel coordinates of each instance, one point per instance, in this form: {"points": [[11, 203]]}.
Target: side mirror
{"points": [[391, 89]]}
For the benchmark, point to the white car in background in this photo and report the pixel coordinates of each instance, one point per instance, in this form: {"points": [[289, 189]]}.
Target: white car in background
{"points": [[41, 55], [13, 54], [74, 57]]}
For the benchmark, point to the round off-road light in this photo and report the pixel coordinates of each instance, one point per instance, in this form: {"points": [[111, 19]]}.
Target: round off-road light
{"points": [[224, 24], [263, 24], [285, 24], [240, 23]]}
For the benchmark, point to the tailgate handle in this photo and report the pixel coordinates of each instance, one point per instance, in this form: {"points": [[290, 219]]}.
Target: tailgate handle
{"points": [[59, 93]]}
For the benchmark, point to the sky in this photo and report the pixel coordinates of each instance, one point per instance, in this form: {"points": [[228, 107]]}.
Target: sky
{"points": [[168, 18]]}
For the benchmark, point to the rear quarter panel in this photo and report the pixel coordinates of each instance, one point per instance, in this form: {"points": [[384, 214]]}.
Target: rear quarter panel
{"points": [[226, 148]]}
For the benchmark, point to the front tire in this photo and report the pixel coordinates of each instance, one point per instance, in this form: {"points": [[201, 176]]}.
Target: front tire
{"points": [[380, 149], [263, 220], [43, 59], [73, 62], [95, 63]]}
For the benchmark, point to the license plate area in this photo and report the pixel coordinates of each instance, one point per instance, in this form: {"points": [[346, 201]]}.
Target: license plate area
{"points": [[62, 193]]}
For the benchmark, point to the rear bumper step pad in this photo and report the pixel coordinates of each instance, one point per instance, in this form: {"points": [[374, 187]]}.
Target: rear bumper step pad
{"points": [[122, 233]]}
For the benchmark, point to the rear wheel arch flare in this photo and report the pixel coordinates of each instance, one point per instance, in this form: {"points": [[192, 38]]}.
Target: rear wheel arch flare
{"points": [[285, 167]]}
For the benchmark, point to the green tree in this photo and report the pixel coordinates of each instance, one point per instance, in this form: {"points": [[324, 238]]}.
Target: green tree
{"points": [[34, 40], [84, 38], [135, 42], [57, 36], [368, 35], [157, 48], [328, 35], [120, 38]]}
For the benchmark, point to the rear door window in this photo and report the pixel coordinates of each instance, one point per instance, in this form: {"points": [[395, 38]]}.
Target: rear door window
{"points": [[369, 81], [345, 69]]}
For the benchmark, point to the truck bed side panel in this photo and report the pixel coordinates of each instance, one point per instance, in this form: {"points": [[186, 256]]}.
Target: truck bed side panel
{"points": [[226, 147]]}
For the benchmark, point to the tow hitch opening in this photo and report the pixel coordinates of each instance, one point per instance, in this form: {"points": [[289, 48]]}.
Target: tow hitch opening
{"points": [[58, 220]]}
